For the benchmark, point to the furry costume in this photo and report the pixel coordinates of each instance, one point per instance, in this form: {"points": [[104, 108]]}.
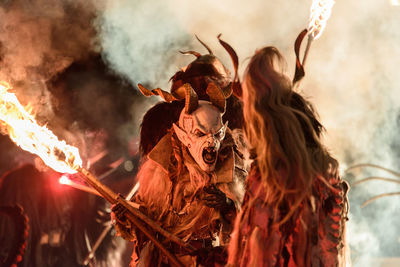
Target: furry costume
{"points": [[314, 236], [295, 205], [191, 181], [173, 198]]}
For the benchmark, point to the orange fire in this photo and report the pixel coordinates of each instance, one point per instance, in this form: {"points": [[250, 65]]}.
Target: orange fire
{"points": [[320, 13], [23, 130]]}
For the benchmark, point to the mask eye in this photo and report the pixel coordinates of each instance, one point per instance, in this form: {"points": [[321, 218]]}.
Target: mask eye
{"points": [[199, 133]]}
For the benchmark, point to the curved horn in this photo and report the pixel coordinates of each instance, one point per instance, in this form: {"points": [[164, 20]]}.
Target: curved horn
{"points": [[165, 95], [206, 46], [191, 99], [196, 54], [232, 53], [234, 88], [227, 91], [217, 97], [237, 89], [299, 72]]}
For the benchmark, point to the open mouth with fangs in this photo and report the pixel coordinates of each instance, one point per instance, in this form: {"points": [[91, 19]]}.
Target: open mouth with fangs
{"points": [[209, 155]]}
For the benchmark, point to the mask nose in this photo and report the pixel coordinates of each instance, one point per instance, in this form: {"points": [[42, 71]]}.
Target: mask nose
{"points": [[210, 140]]}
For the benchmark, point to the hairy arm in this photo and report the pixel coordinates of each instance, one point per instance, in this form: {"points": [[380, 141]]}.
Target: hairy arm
{"points": [[151, 198], [154, 190]]}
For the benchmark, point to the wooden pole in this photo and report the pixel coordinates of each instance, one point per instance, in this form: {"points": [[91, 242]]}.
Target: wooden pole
{"points": [[113, 198]]}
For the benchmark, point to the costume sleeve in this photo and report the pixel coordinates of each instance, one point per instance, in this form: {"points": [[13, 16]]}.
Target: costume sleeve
{"points": [[152, 196], [332, 217], [154, 189]]}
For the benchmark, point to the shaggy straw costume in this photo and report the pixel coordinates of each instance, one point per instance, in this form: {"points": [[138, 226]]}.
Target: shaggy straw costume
{"points": [[174, 190], [295, 204], [171, 183]]}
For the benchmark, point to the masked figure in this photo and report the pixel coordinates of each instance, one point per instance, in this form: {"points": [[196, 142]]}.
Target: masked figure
{"points": [[191, 183], [295, 206], [191, 180], [202, 71]]}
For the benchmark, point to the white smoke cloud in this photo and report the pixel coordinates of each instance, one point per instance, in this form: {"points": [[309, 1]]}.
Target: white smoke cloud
{"points": [[351, 71], [39, 39], [140, 39]]}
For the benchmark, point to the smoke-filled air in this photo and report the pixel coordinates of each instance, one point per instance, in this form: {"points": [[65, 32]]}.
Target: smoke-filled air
{"points": [[352, 79]]}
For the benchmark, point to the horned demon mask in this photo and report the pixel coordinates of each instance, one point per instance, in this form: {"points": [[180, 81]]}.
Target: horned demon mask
{"points": [[200, 127], [202, 132]]}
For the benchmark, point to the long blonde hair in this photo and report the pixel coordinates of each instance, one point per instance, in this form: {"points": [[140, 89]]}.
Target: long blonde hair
{"points": [[283, 131]]}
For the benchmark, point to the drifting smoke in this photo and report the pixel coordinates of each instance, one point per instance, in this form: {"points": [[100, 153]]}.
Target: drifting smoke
{"points": [[38, 40], [141, 40], [351, 76], [49, 53]]}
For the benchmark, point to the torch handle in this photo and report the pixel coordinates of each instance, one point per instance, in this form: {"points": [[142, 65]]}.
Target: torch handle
{"points": [[157, 243], [104, 190], [138, 214], [113, 198], [309, 41]]}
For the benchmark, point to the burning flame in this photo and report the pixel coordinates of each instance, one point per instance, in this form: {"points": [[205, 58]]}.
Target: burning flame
{"points": [[30, 136], [64, 180], [320, 13]]}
